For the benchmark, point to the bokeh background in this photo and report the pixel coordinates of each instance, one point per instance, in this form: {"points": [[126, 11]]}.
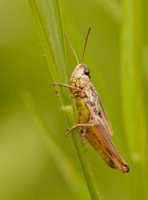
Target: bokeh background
{"points": [[27, 169]]}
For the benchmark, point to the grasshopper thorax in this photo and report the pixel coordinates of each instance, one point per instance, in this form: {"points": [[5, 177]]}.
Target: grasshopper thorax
{"points": [[80, 76]]}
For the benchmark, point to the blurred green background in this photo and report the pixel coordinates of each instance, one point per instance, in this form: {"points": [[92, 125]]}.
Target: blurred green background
{"points": [[27, 169]]}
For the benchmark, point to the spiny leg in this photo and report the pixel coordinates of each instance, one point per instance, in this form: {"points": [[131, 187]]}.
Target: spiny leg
{"points": [[82, 134], [83, 138], [78, 125]]}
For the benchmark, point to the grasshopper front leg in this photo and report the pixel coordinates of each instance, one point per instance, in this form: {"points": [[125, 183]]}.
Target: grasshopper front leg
{"points": [[69, 86]]}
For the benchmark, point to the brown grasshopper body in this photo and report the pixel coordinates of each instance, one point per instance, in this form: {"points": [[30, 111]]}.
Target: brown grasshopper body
{"points": [[94, 123]]}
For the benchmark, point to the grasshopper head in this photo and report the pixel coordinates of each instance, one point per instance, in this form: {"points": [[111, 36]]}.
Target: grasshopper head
{"points": [[80, 76]]}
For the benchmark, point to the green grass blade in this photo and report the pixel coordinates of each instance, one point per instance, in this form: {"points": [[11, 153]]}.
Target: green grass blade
{"points": [[62, 162], [132, 93], [55, 54], [49, 50]]}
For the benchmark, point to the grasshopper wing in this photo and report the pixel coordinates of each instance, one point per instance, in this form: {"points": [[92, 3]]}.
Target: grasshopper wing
{"points": [[104, 117], [104, 135]]}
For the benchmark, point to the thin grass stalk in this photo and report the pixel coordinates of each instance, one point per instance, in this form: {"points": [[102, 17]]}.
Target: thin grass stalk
{"points": [[53, 45], [60, 159], [132, 95]]}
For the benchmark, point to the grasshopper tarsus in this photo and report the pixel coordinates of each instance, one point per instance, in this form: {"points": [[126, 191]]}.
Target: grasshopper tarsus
{"points": [[66, 134], [86, 148], [68, 131]]}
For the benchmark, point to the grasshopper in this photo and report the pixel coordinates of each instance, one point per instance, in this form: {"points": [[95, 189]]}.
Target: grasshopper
{"points": [[92, 119]]}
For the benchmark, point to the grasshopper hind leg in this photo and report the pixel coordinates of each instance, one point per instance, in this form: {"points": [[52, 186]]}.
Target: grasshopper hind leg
{"points": [[83, 133]]}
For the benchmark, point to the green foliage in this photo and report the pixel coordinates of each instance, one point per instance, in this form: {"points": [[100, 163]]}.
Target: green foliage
{"points": [[132, 89]]}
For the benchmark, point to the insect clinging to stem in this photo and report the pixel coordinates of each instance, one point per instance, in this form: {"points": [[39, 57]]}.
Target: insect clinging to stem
{"points": [[93, 123]]}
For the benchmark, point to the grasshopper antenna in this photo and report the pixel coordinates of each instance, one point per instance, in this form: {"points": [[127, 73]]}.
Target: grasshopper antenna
{"points": [[85, 44], [72, 48]]}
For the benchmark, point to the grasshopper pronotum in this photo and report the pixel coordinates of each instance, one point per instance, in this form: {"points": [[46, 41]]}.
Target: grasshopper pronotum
{"points": [[92, 119]]}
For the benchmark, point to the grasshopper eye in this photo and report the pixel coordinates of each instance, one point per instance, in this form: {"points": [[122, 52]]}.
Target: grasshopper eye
{"points": [[86, 71]]}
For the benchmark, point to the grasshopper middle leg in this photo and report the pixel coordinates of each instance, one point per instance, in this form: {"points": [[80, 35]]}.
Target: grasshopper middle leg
{"points": [[78, 125]]}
